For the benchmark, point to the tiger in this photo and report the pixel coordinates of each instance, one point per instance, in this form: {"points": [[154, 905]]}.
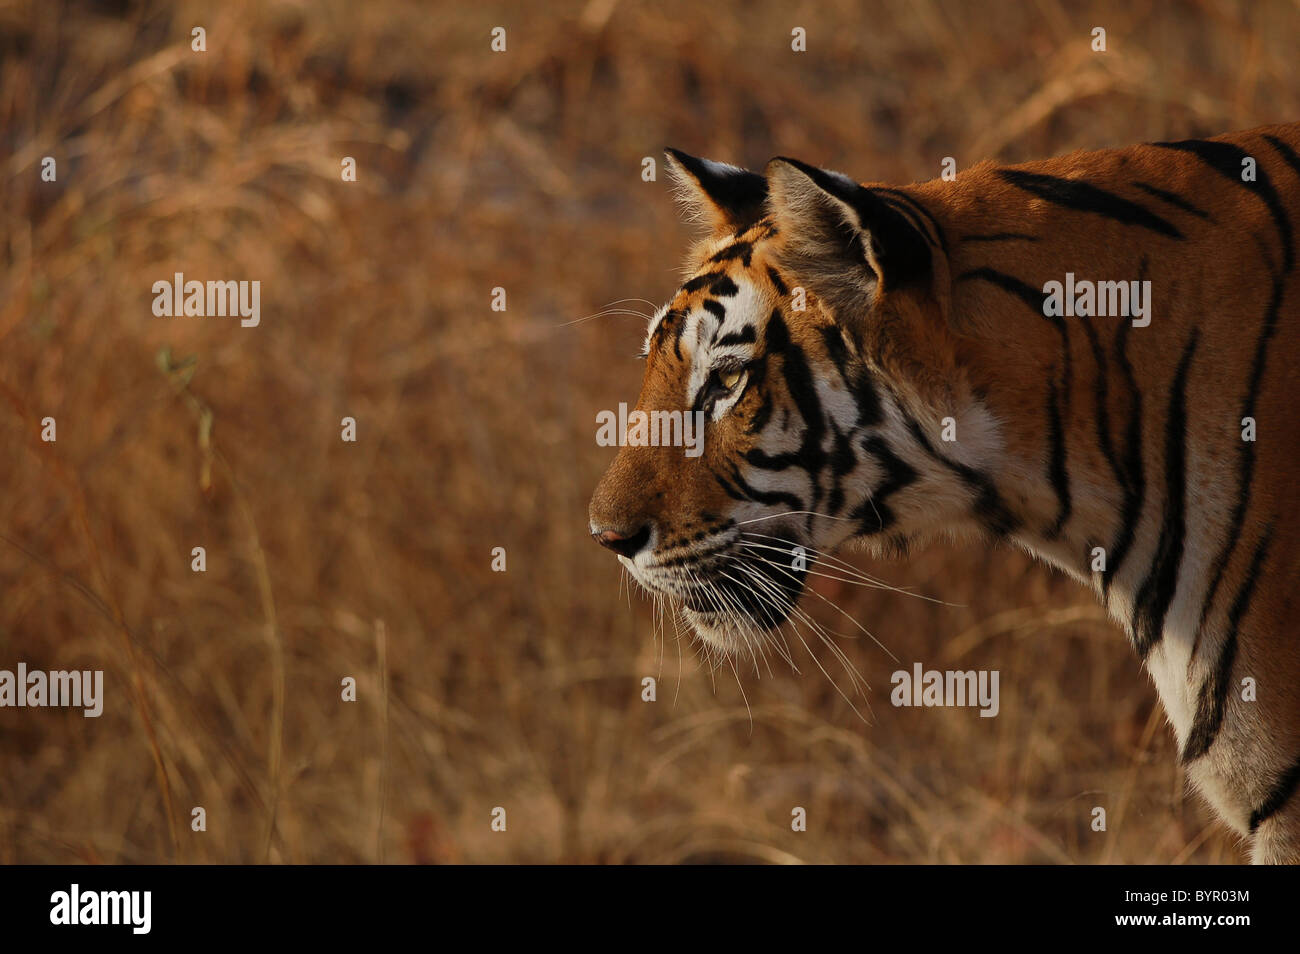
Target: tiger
{"points": [[887, 365]]}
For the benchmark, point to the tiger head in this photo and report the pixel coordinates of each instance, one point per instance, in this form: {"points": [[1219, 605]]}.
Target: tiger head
{"points": [[811, 341]]}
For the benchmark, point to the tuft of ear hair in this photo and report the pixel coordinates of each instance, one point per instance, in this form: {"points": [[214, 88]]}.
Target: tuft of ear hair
{"points": [[843, 239], [724, 197]]}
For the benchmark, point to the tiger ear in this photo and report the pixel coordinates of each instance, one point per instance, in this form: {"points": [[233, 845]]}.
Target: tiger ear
{"points": [[727, 198], [843, 240]]}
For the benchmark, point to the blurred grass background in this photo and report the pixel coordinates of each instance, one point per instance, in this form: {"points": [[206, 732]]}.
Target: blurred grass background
{"points": [[476, 430]]}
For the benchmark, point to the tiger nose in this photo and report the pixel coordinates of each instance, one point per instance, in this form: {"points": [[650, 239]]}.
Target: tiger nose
{"points": [[628, 545]]}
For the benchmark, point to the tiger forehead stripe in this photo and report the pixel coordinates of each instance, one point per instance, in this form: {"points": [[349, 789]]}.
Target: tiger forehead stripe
{"points": [[667, 320], [718, 283], [741, 250]]}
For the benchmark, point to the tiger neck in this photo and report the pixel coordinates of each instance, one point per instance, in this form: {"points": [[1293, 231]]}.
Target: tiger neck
{"points": [[1025, 481], [1082, 509]]}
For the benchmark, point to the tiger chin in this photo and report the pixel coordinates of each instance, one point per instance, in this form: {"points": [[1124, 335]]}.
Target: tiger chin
{"points": [[1091, 357]]}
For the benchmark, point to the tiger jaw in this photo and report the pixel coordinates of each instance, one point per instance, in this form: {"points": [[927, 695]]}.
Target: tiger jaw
{"points": [[734, 600], [717, 631]]}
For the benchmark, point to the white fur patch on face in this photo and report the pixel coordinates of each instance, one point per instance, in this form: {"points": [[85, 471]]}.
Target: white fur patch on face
{"points": [[651, 328], [710, 340]]}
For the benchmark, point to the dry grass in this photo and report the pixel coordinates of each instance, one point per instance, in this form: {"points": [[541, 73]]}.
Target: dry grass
{"points": [[476, 429]]}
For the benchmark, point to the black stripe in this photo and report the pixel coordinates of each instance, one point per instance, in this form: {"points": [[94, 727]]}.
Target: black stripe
{"points": [[1157, 591], [724, 287], [798, 378], [856, 378], [761, 416], [1084, 197], [727, 487], [1000, 237], [843, 461], [802, 388], [1031, 296], [1056, 472], [695, 556], [714, 308], [1281, 793], [1213, 696], [874, 514], [1058, 400], [764, 496], [741, 250], [922, 210], [1177, 201], [833, 339], [988, 505], [757, 457], [1101, 395], [673, 322], [1225, 158], [1246, 455], [775, 276], [1135, 483], [866, 399], [744, 336], [1285, 151], [700, 281]]}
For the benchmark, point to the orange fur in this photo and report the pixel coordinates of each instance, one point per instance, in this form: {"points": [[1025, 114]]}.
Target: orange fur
{"points": [[1073, 434]]}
